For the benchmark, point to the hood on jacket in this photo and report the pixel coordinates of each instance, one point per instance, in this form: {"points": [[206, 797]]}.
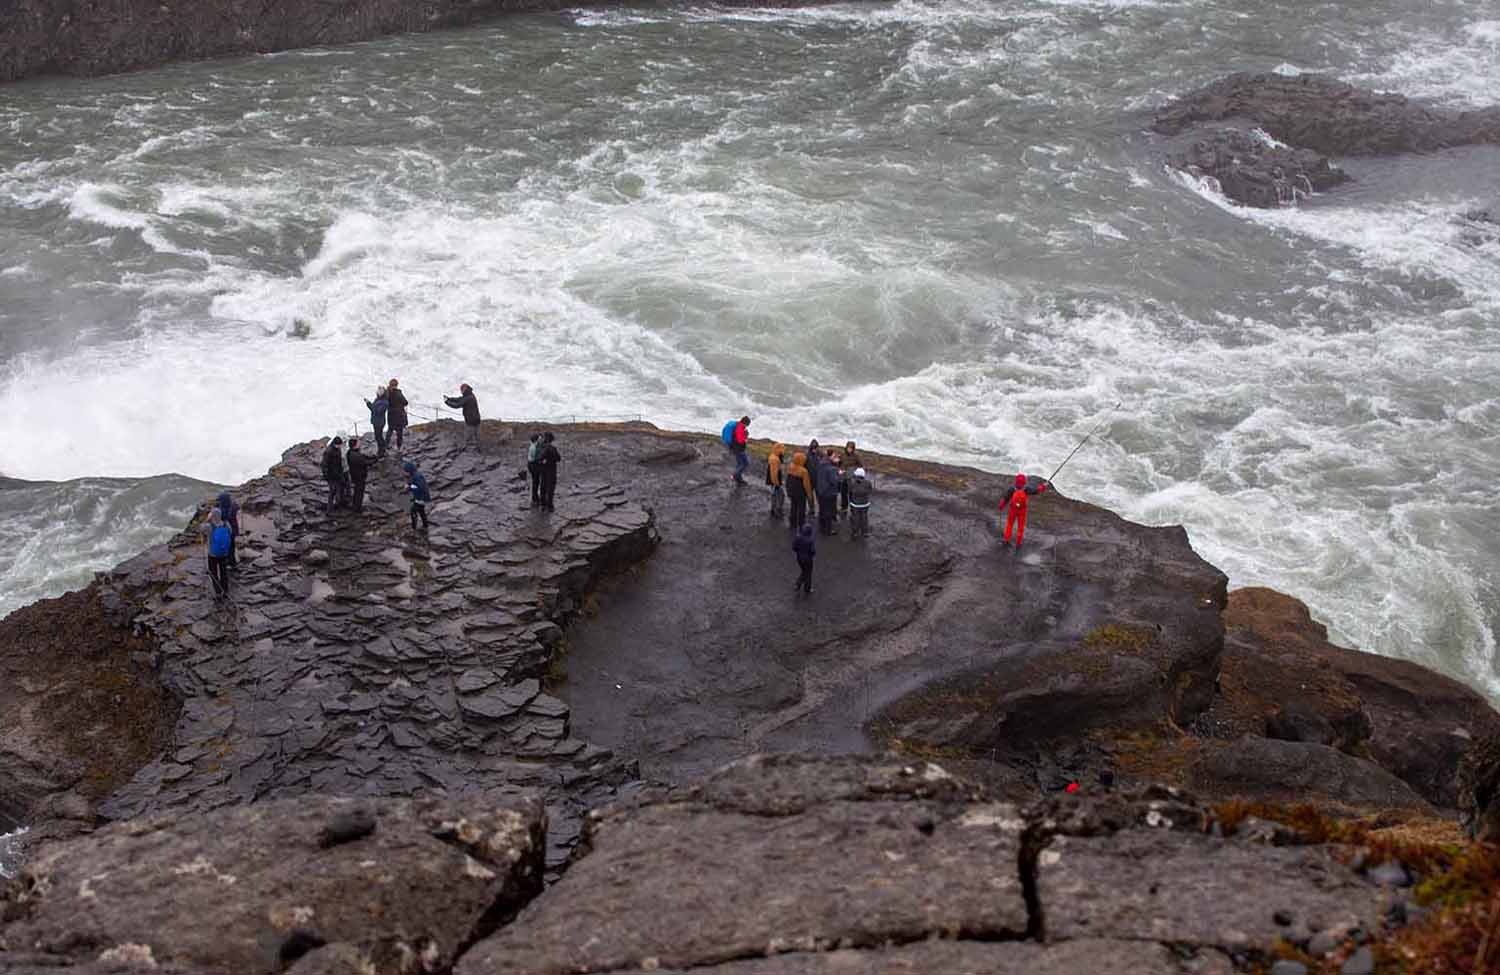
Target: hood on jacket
{"points": [[859, 472], [1020, 480], [806, 531], [799, 459], [409, 467], [778, 449]]}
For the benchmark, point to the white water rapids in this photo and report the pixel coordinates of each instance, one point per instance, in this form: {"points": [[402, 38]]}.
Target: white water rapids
{"points": [[940, 229]]}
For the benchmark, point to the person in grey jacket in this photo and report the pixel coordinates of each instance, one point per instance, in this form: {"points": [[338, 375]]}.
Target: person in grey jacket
{"points": [[859, 504]]}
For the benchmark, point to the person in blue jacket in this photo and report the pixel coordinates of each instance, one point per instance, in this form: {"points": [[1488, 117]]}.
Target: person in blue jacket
{"points": [[379, 406], [826, 484], [219, 541], [416, 485], [806, 548], [229, 510]]}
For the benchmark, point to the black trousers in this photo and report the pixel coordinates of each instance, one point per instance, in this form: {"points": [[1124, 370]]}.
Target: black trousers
{"points": [[335, 494], [418, 510], [380, 439], [359, 494], [549, 484], [799, 511], [218, 574], [397, 431], [535, 470], [804, 581], [827, 505]]}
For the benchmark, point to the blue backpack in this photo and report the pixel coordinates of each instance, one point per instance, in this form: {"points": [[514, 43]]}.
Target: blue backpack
{"points": [[727, 434], [218, 541]]}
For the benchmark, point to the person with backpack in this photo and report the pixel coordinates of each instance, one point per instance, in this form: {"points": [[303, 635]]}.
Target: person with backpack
{"points": [[229, 511], [548, 460], [333, 472], [220, 538], [469, 403], [850, 462], [416, 486], [378, 408], [859, 504], [534, 468], [826, 482], [799, 489], [1015, 503], [359, 471], [396, 410], [736, 437], [805, 546], [774, 477]]}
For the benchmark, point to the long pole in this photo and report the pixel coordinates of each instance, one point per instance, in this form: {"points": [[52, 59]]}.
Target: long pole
{"points": [[1085, 440]]}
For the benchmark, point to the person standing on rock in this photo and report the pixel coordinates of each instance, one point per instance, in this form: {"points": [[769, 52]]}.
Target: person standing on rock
{"points": [[814, 458], [220, 538], [859, 504], [416, 486], [1015, 503], [826, 481], [534, 468], [379, 406], [469, 403], [736, 436], [774, 477], [849, 461], [230, 512], [548, 460], [396, 410], [799, 489], [359, 471], [333, 472], [805, 547]]}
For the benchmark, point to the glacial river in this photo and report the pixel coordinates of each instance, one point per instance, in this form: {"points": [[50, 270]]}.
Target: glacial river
{"points": [[938, 228]]}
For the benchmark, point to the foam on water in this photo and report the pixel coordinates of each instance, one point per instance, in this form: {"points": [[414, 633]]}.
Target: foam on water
{"points": [[11, 846]]}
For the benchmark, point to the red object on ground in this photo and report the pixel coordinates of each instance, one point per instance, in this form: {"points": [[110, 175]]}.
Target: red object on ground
{"points": [[1072, 788]]}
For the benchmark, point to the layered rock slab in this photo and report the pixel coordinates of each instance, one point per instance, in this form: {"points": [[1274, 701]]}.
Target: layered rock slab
{"points": [[404, 885]]}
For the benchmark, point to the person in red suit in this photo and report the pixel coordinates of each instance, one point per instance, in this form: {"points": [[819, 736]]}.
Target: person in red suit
{"points": [[1014, 505]]}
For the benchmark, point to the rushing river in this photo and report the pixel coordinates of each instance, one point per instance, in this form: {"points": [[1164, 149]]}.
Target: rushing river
{"points": [[939, 228]]}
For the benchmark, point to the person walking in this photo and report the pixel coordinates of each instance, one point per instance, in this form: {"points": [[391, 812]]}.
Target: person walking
{"points": [[229, 510], [378, 407], [799, 489], [736, 437], [534, 468], [774, 477], [548, 459], [396, 410], [416, 486], [469, 403], [1015, 503], [859, 504], [805, 546], [220, 538], [359, 471], [826, 481], [333, 472]]}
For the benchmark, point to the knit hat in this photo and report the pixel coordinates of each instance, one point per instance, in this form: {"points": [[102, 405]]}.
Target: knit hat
{"points": [[859, 472], [1020, 480], [409, 467]]}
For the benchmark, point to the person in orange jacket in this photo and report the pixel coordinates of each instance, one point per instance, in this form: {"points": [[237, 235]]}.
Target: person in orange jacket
{"points": [[1014, 504], [799, 488], [775, 475]]}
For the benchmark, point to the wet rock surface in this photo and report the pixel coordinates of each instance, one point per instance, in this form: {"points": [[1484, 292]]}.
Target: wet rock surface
{"points": [[357, 657], [928, 634], [1270, 769], [1273, 135], [256, 888], [890, 867]]}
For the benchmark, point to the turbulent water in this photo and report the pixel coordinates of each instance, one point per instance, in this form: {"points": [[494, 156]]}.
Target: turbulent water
{"points": [[939, 228]]}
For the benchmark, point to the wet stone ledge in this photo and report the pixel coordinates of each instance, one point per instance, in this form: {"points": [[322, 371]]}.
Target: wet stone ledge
{"points": [[358, 657]]}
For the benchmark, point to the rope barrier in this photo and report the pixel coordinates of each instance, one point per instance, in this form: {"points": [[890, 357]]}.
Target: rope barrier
{"points": [[432, 412]]}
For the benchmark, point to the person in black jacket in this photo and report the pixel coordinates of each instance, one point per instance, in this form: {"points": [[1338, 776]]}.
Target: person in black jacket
{"points": [[826, 483], [359, 471], [333, 472], [548, 459], [396, 410], [806, 548], [379, 407], [469, 403]]}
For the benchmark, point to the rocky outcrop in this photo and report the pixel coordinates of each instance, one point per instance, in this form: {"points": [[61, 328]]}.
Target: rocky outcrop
{"points": [[1303, 120], [1281, 676], [387, 885], [1293, 771], [882, 868], [1478, 785]]}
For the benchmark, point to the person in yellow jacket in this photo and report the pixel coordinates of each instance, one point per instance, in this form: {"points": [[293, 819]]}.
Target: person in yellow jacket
{"points": [[774, 477], [799, 488]]}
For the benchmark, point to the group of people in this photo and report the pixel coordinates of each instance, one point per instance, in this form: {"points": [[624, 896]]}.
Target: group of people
{"points": [[826, 483]]}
